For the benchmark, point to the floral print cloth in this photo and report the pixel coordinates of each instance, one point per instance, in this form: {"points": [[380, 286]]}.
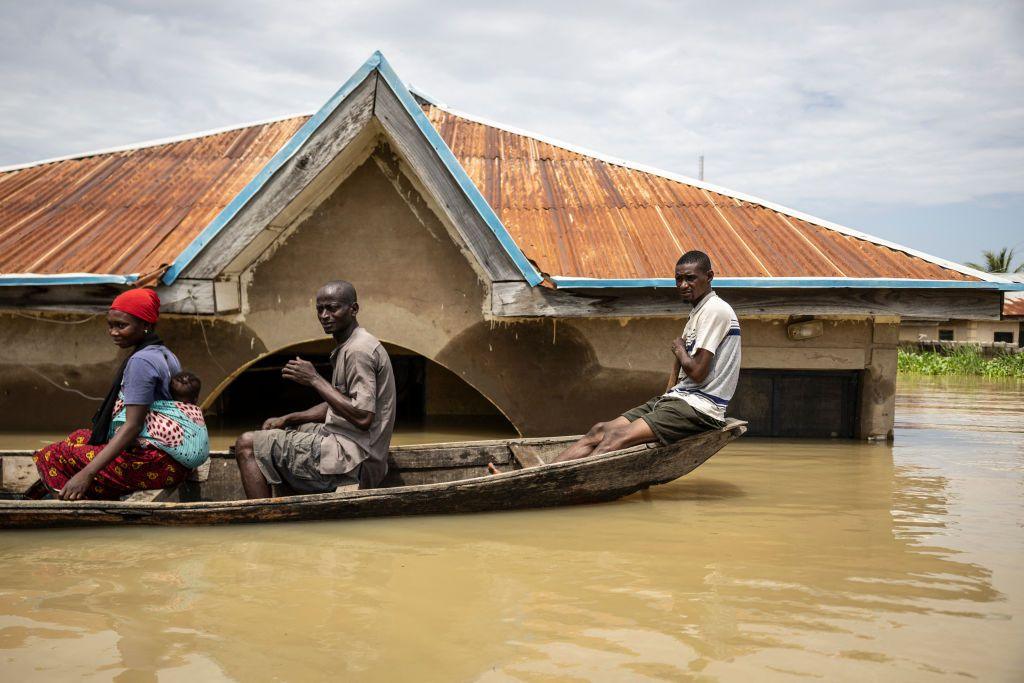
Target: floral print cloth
{"points": [[136, 468]]}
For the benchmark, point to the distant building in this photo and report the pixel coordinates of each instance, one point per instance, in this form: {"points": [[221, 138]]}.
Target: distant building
{"points": [[508, 273], [1005, 331]]}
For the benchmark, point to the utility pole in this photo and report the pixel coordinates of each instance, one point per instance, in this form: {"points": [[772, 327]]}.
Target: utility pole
{"points": [[700, 166]]}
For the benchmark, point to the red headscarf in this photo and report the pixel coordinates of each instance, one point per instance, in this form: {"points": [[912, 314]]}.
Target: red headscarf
{"points": [[142, 303]]}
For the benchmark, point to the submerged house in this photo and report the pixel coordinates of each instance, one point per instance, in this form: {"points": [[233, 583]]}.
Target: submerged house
{"points": [[1013, 310], [509, 274], [997, 334]]}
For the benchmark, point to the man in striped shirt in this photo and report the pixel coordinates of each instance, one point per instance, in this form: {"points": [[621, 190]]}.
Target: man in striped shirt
{"points": [[705, 370]]}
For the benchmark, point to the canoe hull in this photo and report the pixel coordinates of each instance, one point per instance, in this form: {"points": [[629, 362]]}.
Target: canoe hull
{"points": [[589, 480]]}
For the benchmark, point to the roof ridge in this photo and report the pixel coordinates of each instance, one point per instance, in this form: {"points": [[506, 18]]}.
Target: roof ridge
{"points": [[742, 196], [145, 144]]}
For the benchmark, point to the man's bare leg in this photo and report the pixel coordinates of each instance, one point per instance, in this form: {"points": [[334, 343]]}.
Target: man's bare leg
{"points": [[586, 444], [632, 434], [283, 490], [252, 479]]}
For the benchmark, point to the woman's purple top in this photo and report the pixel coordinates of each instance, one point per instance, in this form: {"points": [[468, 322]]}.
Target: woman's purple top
{"points": [[147, 377]]}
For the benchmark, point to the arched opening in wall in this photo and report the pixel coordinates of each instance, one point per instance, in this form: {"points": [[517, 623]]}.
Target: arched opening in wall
{"points": [[433, 403]]}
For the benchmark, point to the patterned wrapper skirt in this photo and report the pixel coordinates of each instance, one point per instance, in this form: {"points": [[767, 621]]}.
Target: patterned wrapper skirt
{"points": [[137, 468]]}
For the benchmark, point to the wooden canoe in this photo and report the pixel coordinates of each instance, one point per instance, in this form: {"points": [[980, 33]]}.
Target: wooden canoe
{"points": [[432, 479]]}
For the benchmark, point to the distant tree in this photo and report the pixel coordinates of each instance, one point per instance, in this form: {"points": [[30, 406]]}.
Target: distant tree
{"points": [[998, 262]]}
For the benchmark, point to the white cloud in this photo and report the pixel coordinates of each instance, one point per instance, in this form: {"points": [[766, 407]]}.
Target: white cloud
{"points": [[798, 102]]}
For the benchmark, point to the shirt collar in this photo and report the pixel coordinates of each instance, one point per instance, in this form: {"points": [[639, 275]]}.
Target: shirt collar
{"points": [[707, 297], [345, 343]]}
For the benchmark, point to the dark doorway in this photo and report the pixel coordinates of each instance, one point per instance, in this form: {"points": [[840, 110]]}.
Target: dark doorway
{"points": [[798, 403], [427, 393]]}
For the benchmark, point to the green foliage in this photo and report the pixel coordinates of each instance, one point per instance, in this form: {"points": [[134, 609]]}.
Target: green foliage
{"points": [[997, 262], [964, 360]]}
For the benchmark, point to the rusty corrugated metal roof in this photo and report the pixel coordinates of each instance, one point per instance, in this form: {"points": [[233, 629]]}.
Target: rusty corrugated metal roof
{"points": [[576, 215], [1013, 306], [127, 211]]}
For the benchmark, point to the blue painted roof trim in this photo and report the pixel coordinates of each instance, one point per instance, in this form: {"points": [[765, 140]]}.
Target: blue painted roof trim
{"points": [[28, 279], [284, 154], [459, 173], [375, 62], [792, 283]]}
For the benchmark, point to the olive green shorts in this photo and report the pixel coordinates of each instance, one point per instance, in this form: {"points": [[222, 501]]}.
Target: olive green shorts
{"points": [[672, 419]]}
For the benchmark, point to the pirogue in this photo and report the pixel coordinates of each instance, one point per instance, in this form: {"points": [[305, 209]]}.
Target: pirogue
{"points": [[434, 479]]}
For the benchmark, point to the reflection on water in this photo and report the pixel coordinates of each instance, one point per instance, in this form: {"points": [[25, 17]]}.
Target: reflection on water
{"points": [[775, 560]]}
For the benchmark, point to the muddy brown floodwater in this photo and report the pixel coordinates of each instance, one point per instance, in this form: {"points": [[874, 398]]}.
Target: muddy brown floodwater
{"points": [[777, 560]]}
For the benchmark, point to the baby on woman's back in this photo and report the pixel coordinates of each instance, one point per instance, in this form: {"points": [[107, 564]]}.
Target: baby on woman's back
{"points": [[185, 387]]}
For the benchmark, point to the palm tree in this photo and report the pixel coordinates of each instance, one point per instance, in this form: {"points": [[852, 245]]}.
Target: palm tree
{"points": [[997, 262]]}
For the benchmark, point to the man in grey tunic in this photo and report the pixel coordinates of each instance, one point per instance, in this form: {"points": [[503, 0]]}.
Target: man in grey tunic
{"points": [[343, 441]]}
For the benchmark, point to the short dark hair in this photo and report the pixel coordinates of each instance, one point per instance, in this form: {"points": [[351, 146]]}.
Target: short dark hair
{"points": [[346, 290], [697, 258], [191, 381]]}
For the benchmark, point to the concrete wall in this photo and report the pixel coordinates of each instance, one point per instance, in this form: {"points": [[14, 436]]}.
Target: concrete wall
{"points": [[50, 361], [916, 331], [979, 331], [418, 291], [984, 330]]}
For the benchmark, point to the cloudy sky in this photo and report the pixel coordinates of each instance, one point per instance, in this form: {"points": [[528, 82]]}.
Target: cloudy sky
{"points": [[904, 120]]}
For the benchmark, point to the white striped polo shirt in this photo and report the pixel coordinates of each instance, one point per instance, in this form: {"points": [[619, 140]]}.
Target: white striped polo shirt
{"points": [[713, 326]]}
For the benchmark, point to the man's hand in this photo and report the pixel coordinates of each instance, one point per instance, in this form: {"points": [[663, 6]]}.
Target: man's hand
{"points": [[274, 423], [77, 487], [678, 346], [300, 371]]}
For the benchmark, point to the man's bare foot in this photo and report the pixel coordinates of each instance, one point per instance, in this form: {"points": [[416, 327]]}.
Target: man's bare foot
{"points": [[492, 468]]}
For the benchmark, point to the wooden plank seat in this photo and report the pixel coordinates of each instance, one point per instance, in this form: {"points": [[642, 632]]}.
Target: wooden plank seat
{"points": [[526, 456]]}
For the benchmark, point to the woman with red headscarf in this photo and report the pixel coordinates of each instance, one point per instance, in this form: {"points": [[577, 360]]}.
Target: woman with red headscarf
{"points": [[106, 463]]}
